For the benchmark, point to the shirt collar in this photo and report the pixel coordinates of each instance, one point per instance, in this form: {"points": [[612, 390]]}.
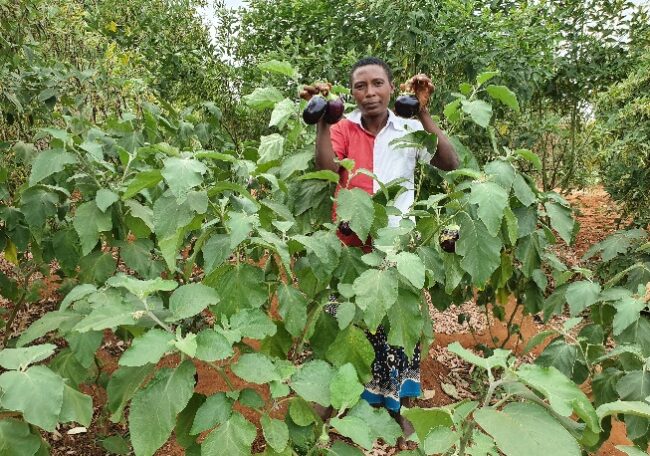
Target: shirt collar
{"points": [[398, 123]]}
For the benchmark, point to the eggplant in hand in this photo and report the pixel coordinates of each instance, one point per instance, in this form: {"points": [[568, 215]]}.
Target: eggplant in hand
{"points": [[334, 111], [315, 110], [407, 105]]}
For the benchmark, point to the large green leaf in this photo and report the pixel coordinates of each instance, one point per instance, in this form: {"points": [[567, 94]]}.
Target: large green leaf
{"points": [[77, 407], [492, 200], [628, 312], [142, 180], [141, 288], [20, 358], [355, 206], [278, 67], [504, 95], [253, 323], [37, 204], [271, 147], [636, 408], [424, 420], [49, 322], [189, 300], [352, 346], [122, 385], [411, 267], [212, 346], [364, 425], [564, 357], [281, 113], [255, 368], [479, 111], [105, 198], [215, 410], [561, 220], [293, 309], [522, 191], [481, 251], [564, 396], [240, 287], [345, 389], [147, 349], [169, 215], [36, 392], [234, 438], [376, 292], [163, 398], [276, 432], [312, 382], [263, 98], [524, 428], [109, 315], [89, 222], [182, 174], [406, 322], [17, 439], [49, 162], [580, 295]]}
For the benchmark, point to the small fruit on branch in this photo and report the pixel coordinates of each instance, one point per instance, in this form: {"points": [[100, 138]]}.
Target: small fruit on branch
{"points": [[448, 238]]}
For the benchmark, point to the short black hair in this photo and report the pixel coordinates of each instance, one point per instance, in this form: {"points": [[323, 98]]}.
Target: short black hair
{"points": [[371, 61]]}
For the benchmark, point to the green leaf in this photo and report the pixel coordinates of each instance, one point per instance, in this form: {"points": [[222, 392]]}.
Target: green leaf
{"points": [[411, 267], [234, 438], [76, 407], [406, 322], [498, 358], [271, 148], [293, 309], [163, 398], [564, 396], [142, 180], [141, 288], [628, 311], [49, 162], [636, 408], [479, 111], [255, 368], [278, 67], [424, 420], [355, 206], [345, 389], [276, 433], [281, 113], [184, 420], [169, 215], [189, 300], [215, 410], [355, 429], [376, 290], [105, 198], [324, 174], [241, 286], [352, 346], [123, 384], [522, 191], [263, 98], [439, 440], [301, 412], [561, 220], [212, 346], [341, 449], [20, 358], [505, 95], [501, 172], [89, 222], [484, 77], [481, 251], [581, 295], [530, 157], [37, 204], [147, 349], [215, 251], [492, 200], [253, 323], [182, 174], [49, 322], [631, 451], [524, 428], [37, 393], [312, 382], [109, 315], [564, 357], [17, 439]]}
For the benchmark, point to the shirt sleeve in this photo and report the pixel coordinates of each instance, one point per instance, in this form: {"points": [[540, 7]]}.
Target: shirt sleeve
{"points": [[339, 140]]}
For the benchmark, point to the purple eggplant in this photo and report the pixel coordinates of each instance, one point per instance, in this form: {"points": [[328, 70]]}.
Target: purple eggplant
{"points": [[448, 238], [344, 228], [315, 110], [407, 106], [334, 111]]}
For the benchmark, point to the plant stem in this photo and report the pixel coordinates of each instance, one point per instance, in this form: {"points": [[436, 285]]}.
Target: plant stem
{"points": [[223, 375]]}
